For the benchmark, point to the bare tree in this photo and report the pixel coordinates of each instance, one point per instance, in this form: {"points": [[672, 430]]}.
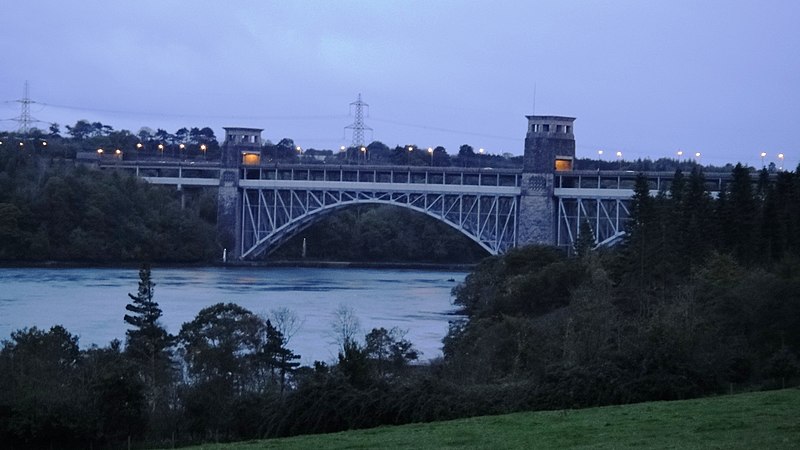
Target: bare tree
{"points": [[345, 325], [286, 321]]}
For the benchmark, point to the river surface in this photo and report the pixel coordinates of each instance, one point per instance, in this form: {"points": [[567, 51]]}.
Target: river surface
{"points": [[90, 302]]}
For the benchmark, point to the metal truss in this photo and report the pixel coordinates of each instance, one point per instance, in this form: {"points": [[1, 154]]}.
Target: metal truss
{"points": [[270, 216], [607, 217]]}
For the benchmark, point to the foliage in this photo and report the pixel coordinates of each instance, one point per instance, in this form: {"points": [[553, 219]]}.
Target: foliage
{"points": [[381, 233], [148, 345], [56, 211]]}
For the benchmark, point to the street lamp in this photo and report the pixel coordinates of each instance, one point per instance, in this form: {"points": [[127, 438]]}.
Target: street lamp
{"points": [[118, 152], [364, 151], [161, 149], [203, 149], [99, 152], [599, 153], [680, 153], [780, 156], [430, 151], [763, 154], [410, 149], [619, 156], [180, 149], [697, 155]]}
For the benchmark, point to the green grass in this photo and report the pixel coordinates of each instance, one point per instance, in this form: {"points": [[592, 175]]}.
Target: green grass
{"points": [[760, 420]]}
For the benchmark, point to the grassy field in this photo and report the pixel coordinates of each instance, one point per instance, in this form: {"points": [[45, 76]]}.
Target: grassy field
{"points": [[762, 420]]}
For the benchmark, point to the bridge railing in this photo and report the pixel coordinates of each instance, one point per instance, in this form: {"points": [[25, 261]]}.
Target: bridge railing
{"points": [[169, 172], [455, 176], [626, 180]]}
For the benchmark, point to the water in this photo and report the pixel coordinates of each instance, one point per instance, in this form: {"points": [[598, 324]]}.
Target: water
{"points": [[90, 303]]}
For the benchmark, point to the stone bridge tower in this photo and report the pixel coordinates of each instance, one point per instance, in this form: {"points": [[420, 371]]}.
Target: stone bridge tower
{"points": [[241, 146], [549, 147]]}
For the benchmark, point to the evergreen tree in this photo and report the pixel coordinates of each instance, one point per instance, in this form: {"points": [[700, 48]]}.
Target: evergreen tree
{"points": [[279, 358], [148, 344], [740, 217], [585, 242]]}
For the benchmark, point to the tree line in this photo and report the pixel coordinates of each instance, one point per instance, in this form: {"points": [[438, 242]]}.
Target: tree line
{"points": [[228, 374], [55, 210]]}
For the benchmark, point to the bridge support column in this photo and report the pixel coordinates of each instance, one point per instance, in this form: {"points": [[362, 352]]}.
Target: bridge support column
{"points": [[537, 210], [229, 213], [549, 148]]}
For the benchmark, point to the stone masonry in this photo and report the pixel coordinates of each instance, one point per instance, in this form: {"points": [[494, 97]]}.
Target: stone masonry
{"points": [[549, 139], [237, 142]]}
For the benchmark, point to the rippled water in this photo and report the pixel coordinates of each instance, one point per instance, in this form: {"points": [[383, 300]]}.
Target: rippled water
{"points": [[91, 302]]}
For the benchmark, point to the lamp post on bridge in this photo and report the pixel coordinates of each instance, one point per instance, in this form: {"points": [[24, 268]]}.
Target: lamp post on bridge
{"points": [[430, 151]]}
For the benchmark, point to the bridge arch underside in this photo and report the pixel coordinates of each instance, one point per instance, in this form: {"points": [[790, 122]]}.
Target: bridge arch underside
{"points": [[607, 218], [272, 216]]}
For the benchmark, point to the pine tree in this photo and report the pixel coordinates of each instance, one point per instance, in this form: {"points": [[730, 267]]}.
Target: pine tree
{"points": [[278, 357], [585, 242], [148, 344]]}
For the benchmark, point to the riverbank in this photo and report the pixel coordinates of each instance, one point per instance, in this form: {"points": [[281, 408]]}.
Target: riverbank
{"points": [[319, 264]]}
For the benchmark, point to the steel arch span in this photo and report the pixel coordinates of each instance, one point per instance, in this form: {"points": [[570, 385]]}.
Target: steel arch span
{"points": [[270, 216]]}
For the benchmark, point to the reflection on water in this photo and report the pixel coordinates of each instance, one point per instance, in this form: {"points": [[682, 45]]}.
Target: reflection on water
{"points": [[91, 302]]}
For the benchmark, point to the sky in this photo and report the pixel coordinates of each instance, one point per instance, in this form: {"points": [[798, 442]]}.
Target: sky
{"points": [[646, 78]]}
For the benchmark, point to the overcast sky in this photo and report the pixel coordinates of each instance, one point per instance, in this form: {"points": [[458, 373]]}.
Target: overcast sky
{"points": [[643, 77]]}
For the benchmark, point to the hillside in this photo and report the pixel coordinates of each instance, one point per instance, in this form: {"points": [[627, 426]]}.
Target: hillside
{"points": [[751, 420]]}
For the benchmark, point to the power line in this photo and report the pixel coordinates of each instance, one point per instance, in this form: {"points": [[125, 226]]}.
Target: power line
{"points": [[445, 130]]}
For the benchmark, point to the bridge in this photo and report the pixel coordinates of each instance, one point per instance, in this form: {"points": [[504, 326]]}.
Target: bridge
{"points": [[261, 205]]}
